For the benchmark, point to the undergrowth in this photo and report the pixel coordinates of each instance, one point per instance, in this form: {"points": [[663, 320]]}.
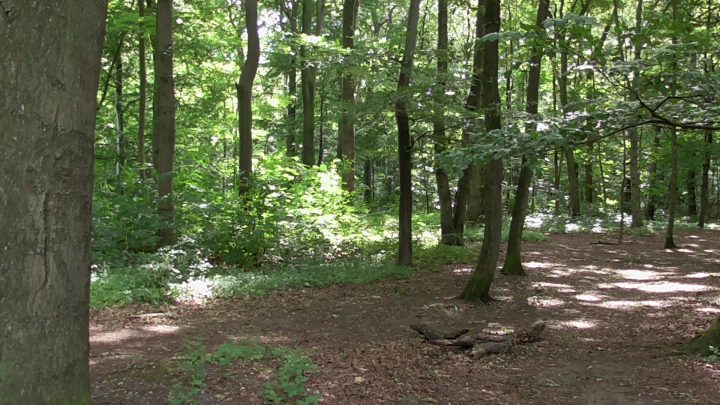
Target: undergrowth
{"points": [[287, 387]]}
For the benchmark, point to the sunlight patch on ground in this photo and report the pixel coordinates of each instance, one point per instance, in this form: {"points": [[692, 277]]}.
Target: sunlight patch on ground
{"points": [[195, 290], [659, 287], [685, 250], [541, 302], [634, 304], [709, 310], [130, 333], [551, 285], [589, 297], [540, 265], [699, 275], [640, 275], [462, 271], [578, 324], [572, 227]]}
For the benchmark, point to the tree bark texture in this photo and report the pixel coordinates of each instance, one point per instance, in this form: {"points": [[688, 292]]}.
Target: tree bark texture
{"points": [[142, 104], [49, 79], [244, 91], [308, 90], [347, 115]]}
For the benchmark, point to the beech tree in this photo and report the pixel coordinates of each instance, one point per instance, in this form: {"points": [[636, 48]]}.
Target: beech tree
{"points": [[48, 126]]}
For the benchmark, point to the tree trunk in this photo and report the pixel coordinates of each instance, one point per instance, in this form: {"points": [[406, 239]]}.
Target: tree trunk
{"points": [[475, 195], [47, 116], [691, 196], [142, 109], [478, 287], [701, 345], [673, 193], [290, 141], [705, 186], [589, 186], [472, 103], [163, 138], [404, 142], [244, 92], [448, 236], [367, 179], [308, 90], [652, 200], [635, 197], [513, 259], [120, 157], [347, 114]]}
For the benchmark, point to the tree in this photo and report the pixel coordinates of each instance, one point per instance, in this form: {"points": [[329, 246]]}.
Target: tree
{"points": [[635, 197], [163, 137], [404, 141], [478, 287], [48, 126], [308, 89], [244, 94], [346, 143], [142, 63], [673, 193], [513, 260]]}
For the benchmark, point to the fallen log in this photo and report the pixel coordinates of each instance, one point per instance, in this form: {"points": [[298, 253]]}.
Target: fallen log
{"points": [[481, 344]]}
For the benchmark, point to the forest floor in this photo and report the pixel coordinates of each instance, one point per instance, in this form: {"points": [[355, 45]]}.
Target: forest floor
{"points": [[614, 315]]}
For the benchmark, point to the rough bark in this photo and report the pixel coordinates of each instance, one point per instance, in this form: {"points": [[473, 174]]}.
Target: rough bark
{"points": [[635, 196], [691, 195], [308, 90], [47, 121], [513, 259], [163, 138], [404, 142], [244, 93], [347, 119], [673, 193], [475, 195], [653, 172], [478, 287]]}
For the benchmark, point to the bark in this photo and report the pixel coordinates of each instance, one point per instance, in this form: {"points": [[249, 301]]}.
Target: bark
{"points": [[244, 92], [652, 201], [691, 196], [478, 287], [673, 193], [705, 185], [448, 236], [120, 157], [404, 142], [589, 181], [347, 116], [142, 108], [163, 138], [308, 90], [513, 259], [290, 141], [635, 196], [47, 116], [472, 103], [475, 195]]}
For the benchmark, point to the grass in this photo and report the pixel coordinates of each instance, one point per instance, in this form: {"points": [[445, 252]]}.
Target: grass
{"points": [[287, 387]]}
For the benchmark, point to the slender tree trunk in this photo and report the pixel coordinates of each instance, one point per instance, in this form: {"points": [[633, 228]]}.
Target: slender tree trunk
{"points": [[472, 103], [557, 162], [691, 195], [163, 138], [367, 179], [404, 142], [142, 109], [652, 201], [244, 90], [589, 181], [635, 196], [308, 90], [119, 115], [290, 142], [347, 114], [705, 186], [673, 193], [478, 287], [513, 259], [47, 121], [321, 123], [448, 236]]}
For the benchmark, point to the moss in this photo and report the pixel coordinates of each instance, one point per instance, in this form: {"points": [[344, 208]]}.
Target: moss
{"points": [[513, 265], [477, 288], [700, 345]]}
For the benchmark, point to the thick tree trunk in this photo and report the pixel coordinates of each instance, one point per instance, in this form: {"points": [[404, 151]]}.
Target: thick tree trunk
{"points": [[244, 91], [475, 195], [478, 287], [705, 186], [347, 115], [47, 121], [308, 90], [404, 142], [163, 138], [701, 345], [513, 259], [142, 104]]}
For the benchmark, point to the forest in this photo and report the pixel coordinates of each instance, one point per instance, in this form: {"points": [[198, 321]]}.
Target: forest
{"points": [[359, 202]]}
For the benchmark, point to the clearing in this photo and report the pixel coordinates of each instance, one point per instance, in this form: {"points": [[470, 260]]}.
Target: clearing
{"points": [[614, 314]]}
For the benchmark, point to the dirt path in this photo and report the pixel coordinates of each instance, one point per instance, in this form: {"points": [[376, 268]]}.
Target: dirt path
{"points": [[614, 313]]}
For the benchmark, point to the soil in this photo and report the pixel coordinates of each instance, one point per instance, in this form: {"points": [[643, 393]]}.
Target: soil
{"points": [[614, 315]]}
